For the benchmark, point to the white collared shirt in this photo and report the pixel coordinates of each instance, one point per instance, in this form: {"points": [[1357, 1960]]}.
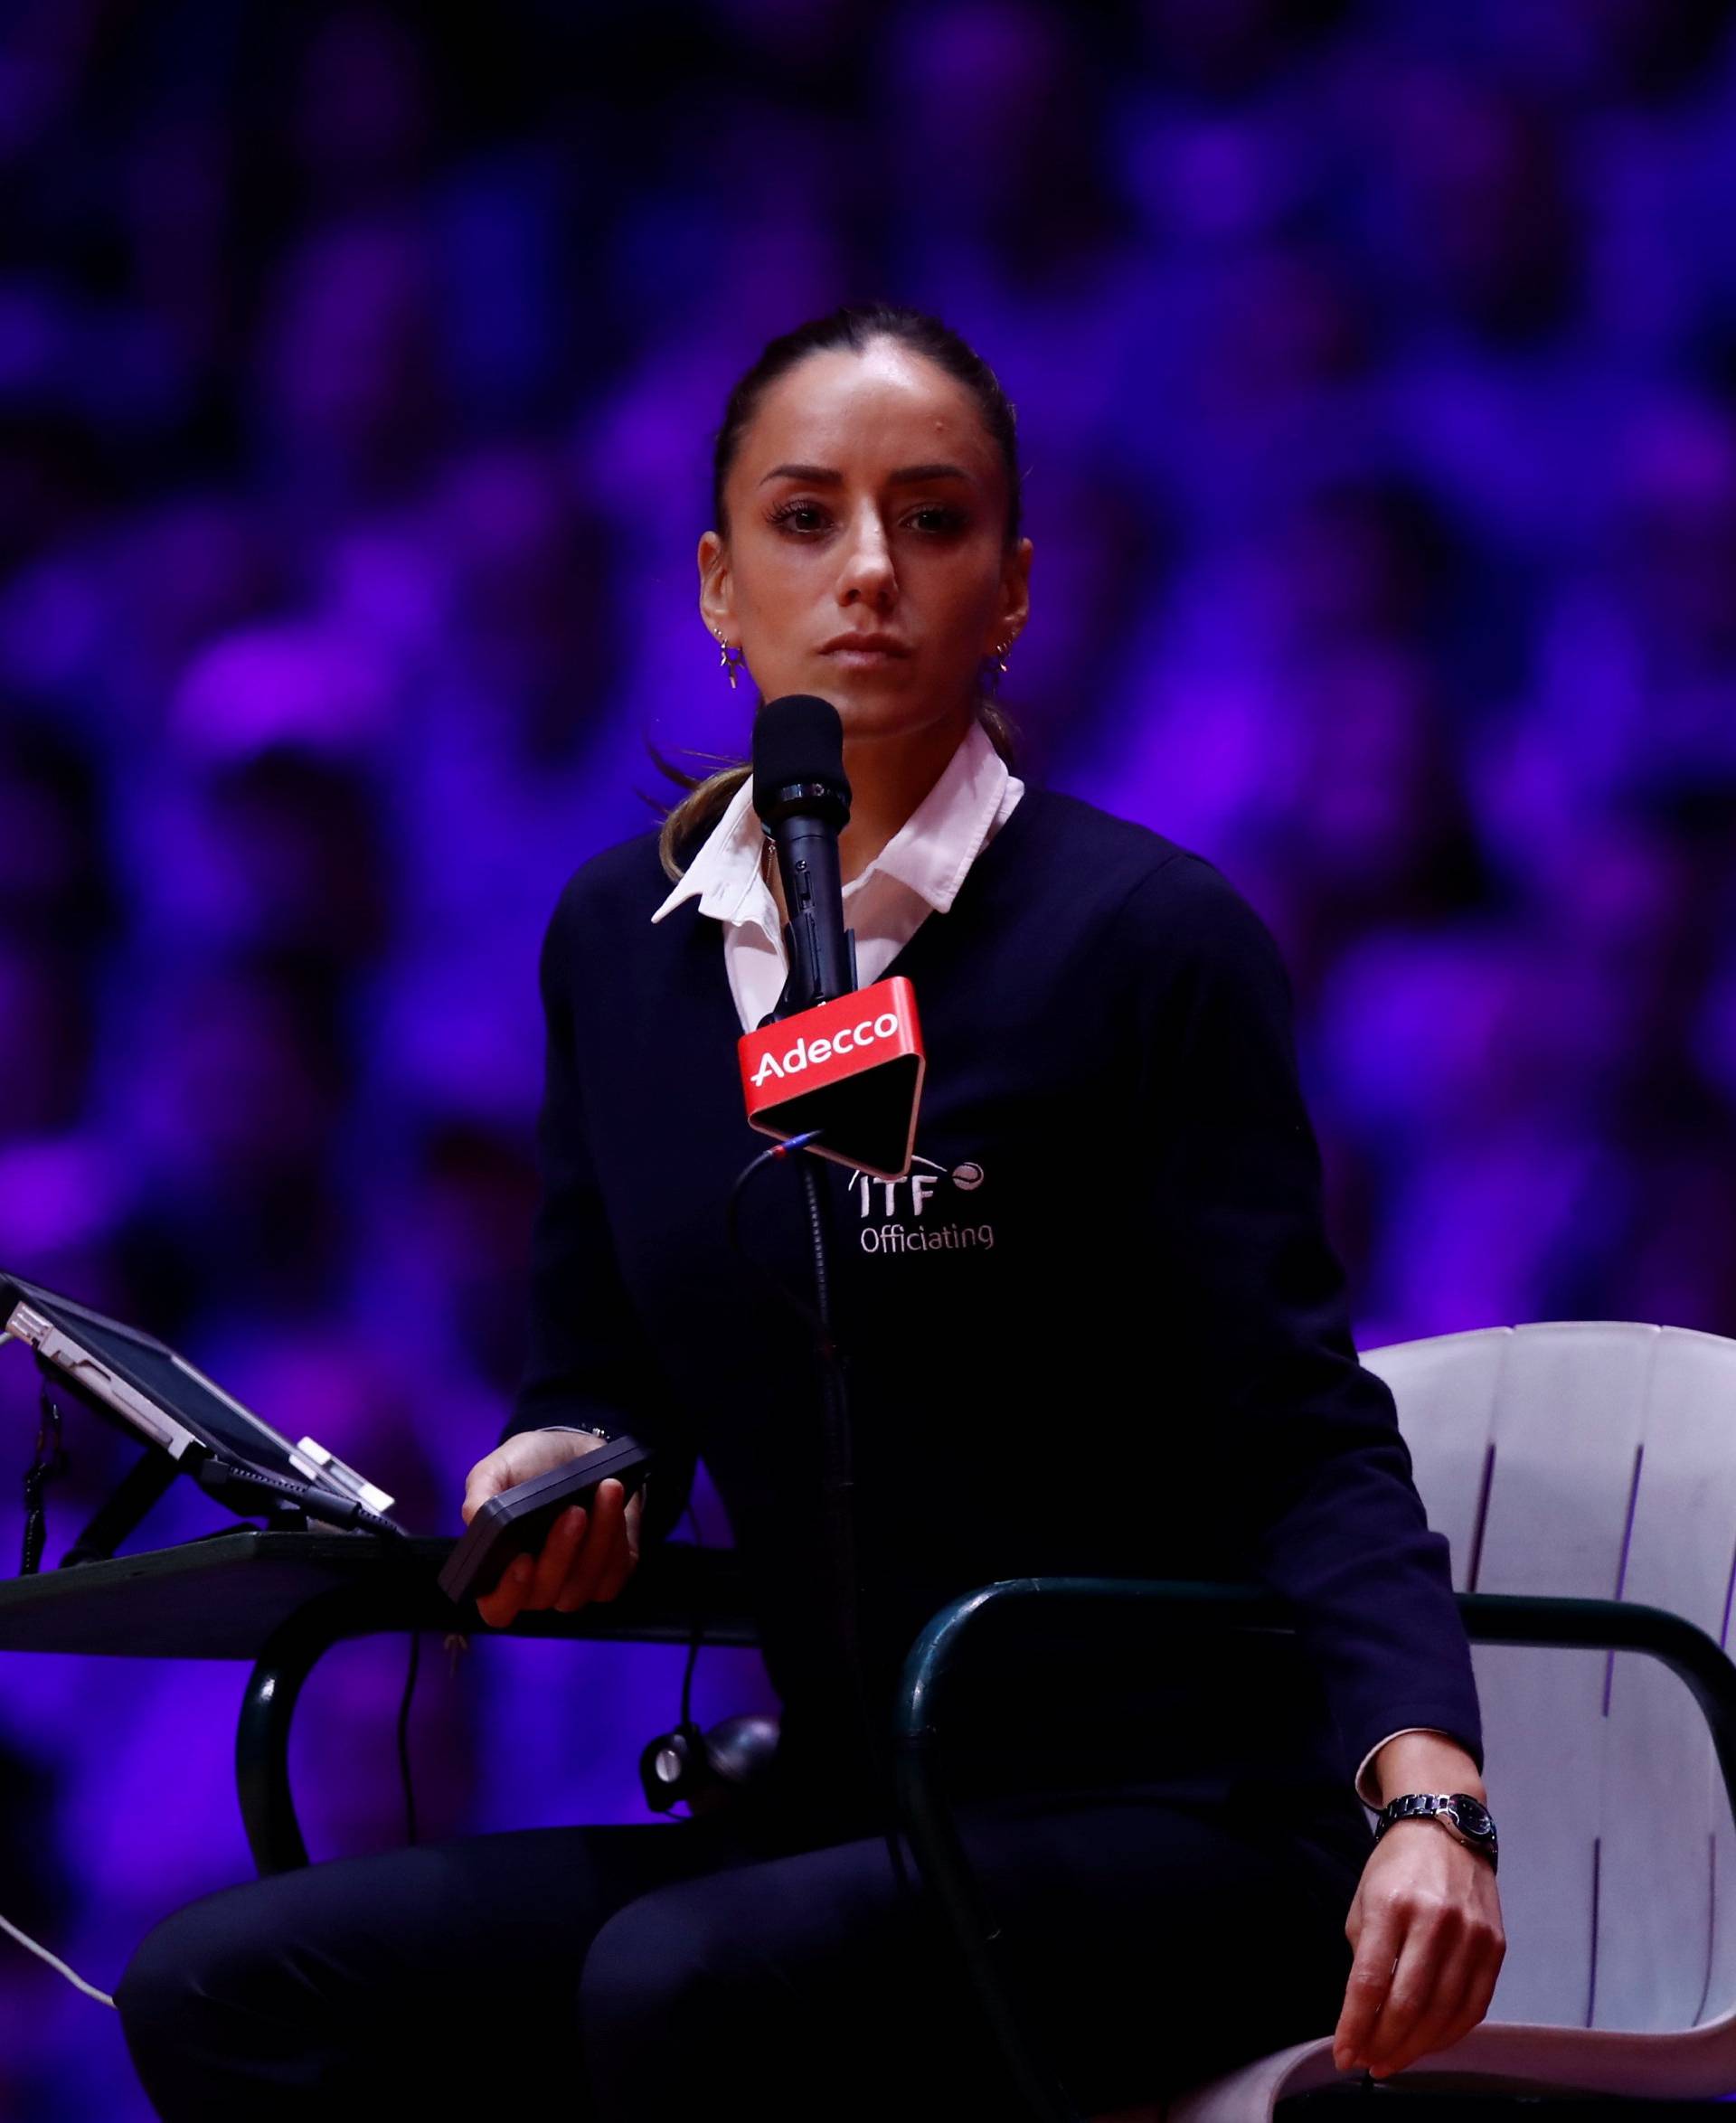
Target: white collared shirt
{"points": [[917, 873]]}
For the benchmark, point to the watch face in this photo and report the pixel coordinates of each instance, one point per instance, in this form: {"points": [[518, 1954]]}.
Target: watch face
{"points": [[1472, 1817]]}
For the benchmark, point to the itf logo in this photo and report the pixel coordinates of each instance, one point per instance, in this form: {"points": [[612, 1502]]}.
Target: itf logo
{"points": [[895, 1213]]}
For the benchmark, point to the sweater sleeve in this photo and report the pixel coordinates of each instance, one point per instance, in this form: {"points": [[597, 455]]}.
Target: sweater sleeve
{"points": [[1337, 1525], [589, 1359]]}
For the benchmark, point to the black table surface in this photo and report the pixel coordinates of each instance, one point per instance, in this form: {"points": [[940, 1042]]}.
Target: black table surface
{"points": [[225, 1596]]}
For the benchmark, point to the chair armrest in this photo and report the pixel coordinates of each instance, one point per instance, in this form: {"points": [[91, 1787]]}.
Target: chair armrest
{"points": [[658, 1606], [1145, 1607]]}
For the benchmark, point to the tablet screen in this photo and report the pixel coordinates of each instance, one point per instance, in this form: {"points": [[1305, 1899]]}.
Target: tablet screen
{"points": [[198, 1403]]}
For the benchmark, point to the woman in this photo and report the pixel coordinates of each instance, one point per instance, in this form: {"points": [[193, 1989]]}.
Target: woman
{"points": [[1116, 1182]]}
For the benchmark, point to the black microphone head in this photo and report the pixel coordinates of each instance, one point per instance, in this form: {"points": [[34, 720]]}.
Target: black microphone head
{"points": [[798, 760]]}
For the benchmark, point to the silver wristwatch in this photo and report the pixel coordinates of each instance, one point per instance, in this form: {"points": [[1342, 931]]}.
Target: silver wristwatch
{"points": [[1465, 1818]]}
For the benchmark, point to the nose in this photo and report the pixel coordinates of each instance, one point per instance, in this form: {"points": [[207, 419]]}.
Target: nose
{"points": [[866, 575]]}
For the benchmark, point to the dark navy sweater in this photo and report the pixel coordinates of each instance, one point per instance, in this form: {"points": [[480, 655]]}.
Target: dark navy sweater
{"points": [[1109, 1264]]}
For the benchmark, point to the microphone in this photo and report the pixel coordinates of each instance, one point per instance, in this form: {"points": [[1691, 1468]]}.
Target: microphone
{"points": [[840, 1066], [802, 795]]}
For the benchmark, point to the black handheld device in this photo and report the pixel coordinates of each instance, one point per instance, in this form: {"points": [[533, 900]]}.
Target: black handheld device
{"points": [[515, 1522]]}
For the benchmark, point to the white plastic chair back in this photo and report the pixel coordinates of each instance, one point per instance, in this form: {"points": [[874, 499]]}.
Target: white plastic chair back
{"points": [[1595, 1459]]}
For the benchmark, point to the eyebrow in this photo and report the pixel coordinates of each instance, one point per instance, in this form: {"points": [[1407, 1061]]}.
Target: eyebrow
{"points": [[906, 476]]}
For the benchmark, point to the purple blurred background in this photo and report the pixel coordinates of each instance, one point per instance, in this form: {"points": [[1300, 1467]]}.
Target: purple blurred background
{"points": [[1376, 369]]}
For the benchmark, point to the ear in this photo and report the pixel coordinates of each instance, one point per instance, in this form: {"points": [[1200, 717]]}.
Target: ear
{"points": [[716, 586], [1013, 605]]}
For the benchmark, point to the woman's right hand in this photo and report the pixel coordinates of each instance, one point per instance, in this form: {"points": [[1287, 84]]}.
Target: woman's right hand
{"points": [[585, 1555]]}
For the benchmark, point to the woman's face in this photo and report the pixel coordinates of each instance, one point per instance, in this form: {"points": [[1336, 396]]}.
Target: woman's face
{"points": [[867, 558]]}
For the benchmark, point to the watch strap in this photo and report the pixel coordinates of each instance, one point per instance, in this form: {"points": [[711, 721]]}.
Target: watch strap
{"points": [[1465, 1819]]}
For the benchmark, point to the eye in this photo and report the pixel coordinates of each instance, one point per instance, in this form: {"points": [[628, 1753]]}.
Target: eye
{"points": [[936, 519], [800, 516]]}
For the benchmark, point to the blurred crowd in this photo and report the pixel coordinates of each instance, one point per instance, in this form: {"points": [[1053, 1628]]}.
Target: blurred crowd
{"points": [[1376, 371]]}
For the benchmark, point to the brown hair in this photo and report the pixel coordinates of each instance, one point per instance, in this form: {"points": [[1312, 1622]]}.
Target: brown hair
{"points": [[851, 330]]}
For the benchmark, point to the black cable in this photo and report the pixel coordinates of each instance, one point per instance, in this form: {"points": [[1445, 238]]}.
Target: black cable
{"points": [[404, 1702], [696, 1629], [250, 1487], [249, 1484], [49, 1464], [732, 1227]]}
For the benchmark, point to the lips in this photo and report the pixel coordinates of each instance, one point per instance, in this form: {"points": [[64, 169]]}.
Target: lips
{"points": [[877, 644]]}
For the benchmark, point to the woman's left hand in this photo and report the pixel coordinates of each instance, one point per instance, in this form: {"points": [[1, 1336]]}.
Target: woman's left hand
{"points": [[1425, 1928]]}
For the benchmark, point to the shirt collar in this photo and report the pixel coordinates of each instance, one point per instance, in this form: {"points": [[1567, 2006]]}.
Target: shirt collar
{"points": [[725, 875], [930, 854], [943, 836]]}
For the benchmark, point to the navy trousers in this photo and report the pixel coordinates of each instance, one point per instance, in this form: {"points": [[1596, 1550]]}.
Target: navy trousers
{"points": [[623, 1974]]}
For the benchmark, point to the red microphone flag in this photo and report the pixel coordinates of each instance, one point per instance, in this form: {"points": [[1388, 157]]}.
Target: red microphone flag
{"points": [[852, 1069]]}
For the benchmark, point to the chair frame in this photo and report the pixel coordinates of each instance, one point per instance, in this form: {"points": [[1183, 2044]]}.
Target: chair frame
{"points": [[1157, 1608], [376, 1598]]}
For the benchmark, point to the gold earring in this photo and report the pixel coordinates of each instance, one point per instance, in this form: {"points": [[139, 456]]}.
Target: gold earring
{"points": [[729, 660], [995, 665]]}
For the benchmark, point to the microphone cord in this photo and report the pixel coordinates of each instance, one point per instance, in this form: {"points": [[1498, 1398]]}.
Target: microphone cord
{"points": [[732, 1229], [406, 1782], [696, 1634]]}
